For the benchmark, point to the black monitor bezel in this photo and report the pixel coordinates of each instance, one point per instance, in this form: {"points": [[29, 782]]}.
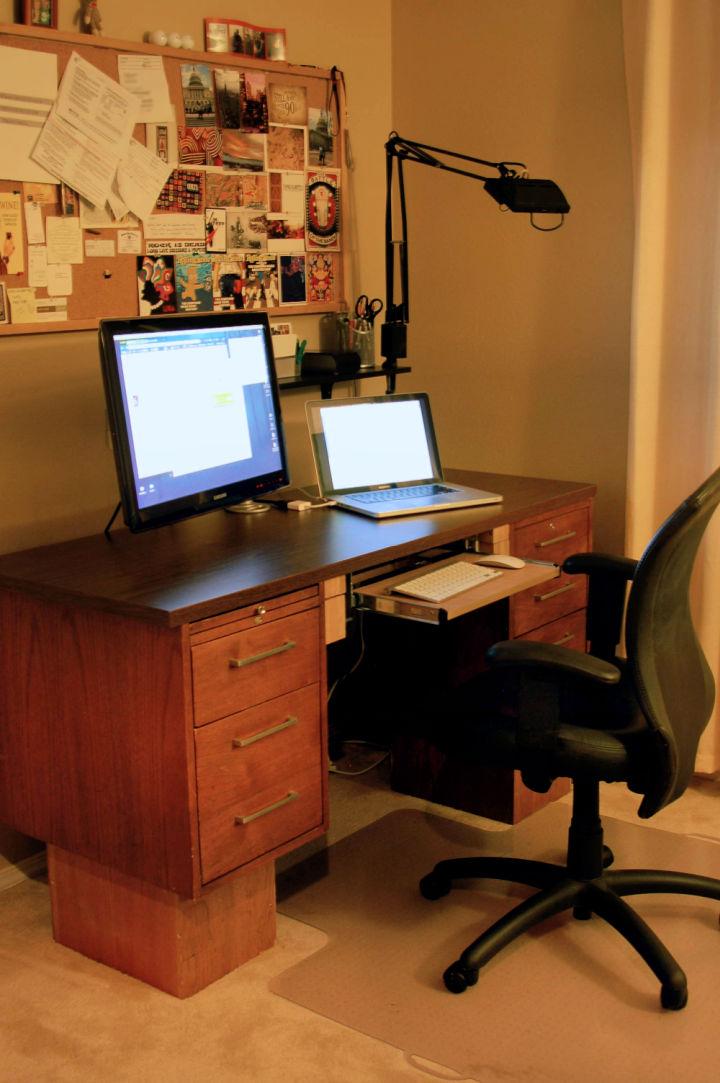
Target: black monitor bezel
{"points": [[135, 517]]}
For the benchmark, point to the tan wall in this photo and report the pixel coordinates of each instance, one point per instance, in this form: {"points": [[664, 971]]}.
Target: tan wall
{"points": [[56, 472], [521, 338]]}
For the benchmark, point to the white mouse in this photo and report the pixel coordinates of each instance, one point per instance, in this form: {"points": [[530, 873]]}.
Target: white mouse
{"points": [[499, 560]]}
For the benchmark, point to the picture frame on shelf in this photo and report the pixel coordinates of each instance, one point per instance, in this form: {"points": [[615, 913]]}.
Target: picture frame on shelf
{"points": [[236, 36], [42, 13]]}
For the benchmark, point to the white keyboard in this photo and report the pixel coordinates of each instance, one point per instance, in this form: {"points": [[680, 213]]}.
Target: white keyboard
{"points": [[444, 582]]}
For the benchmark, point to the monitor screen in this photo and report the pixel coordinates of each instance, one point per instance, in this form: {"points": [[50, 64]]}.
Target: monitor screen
{"points": [[194, 413]]}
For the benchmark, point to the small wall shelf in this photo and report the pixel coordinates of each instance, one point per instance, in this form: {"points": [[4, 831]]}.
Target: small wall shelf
{"points": [[326, 383]]}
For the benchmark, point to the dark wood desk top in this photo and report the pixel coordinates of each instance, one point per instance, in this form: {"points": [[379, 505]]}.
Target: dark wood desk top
{"points": [[218, 562]]}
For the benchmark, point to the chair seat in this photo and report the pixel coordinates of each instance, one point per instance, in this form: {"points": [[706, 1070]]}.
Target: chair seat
{"points": [[578, 745], [570, 751]]}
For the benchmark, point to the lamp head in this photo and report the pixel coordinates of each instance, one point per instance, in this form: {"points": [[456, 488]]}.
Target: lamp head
{"points": [[527, 195]]}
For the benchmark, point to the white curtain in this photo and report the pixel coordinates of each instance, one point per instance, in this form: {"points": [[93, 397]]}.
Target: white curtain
{"points": [[672, 54]]}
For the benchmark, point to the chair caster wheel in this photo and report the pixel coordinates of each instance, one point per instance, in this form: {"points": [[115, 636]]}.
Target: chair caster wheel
{"points": [[458, 977], [674, 998], [582, 913], [434, 887], [607, 857]]}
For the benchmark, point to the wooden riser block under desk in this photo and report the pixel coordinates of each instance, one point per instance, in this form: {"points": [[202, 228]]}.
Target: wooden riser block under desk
{"points": [[177, 945]]}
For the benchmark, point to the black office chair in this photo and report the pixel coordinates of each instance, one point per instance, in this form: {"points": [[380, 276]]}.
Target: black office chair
{"points": [[596, 718]]}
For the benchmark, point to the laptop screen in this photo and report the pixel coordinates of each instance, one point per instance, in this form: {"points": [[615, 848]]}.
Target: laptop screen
{"points": [[369, 442]]}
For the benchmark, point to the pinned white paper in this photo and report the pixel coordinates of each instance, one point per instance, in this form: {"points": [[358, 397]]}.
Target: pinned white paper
{"points": [[103, 218], [170, 226], [129, 242], [100, 246], [37, 265], [60, 282], [141, 176], [34, 223], [25, 307], [86, 167], [144, 76], [88, 130], [64, 240], [95, 104], [28, 86], [22, 304]]}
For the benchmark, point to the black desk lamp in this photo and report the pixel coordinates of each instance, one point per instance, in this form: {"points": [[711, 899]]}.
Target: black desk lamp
{"points": [[511, 188]]}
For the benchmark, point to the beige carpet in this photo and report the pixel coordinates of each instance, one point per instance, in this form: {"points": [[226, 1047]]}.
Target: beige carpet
{"points": [[569, 1002]]}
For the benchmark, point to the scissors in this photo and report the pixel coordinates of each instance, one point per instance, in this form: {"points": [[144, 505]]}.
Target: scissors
{"points": [[366, 309]]}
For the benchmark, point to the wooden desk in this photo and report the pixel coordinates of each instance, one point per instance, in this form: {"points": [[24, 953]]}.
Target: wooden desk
{"points": [[162, 715]]}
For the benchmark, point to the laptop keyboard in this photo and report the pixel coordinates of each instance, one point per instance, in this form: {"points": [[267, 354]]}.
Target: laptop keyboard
{"points": [[412, 492]]}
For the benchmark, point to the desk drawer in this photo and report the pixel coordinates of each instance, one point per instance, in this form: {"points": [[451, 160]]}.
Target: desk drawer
{"points": [[568, 631], [547, 602], [553, 538], [259, 780], [237, 671]]}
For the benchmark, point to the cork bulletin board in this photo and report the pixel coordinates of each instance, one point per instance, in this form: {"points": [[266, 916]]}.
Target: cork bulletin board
{"points": [[245, 230]]}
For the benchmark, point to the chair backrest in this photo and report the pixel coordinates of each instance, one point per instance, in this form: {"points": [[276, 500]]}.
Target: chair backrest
{"points": [[673, 682]]}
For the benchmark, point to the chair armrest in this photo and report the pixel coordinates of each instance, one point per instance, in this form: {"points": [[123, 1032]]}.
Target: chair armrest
{"points": [[603, 563], [608, 577], [549, 659]]}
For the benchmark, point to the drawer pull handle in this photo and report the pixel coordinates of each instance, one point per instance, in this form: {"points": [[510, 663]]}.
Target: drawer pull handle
{"points": [[554, 593], [238, 663], [243, 742], [555, 540], [564, 639], [292, 796]]}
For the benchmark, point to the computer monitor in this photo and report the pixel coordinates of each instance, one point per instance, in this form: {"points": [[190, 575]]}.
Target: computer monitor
{"points": [[194, 413]]}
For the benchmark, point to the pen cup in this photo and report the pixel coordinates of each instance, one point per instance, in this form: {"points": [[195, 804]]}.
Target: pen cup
{"points": [[362, 340]]}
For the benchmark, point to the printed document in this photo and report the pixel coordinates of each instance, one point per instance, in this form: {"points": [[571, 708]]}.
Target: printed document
{"points": [[141, 176], [88, 130], [144, 76]]}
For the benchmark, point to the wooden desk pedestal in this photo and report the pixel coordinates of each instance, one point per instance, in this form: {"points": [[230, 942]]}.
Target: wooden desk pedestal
{"points": [[170, 766], [551, 613]]}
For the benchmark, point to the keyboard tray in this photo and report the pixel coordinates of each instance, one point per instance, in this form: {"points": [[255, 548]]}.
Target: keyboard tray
{"points": [[379, 598]]}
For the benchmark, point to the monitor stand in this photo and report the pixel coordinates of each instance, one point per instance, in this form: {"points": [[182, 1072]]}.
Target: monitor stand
{"points": [[247, 507], [111, 520]]}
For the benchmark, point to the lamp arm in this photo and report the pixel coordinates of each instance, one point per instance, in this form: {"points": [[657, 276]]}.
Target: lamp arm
{"points": [[397, 314], [511, 188], [410, 150]]}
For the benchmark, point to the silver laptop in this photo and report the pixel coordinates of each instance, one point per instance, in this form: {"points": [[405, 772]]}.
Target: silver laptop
{"points": [[379, 457]]}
